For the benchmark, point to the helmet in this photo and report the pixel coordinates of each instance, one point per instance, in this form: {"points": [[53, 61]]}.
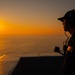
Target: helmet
{"points": [[70, 16]]}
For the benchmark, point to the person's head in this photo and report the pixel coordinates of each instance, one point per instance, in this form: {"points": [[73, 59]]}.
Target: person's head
{"points": [[68, 21]]}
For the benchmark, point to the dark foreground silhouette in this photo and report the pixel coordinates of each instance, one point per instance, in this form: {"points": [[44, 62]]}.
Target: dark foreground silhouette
{"points": [[43, 65]]}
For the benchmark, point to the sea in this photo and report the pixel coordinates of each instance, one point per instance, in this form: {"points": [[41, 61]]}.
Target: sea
{"points": [[12, 47]]}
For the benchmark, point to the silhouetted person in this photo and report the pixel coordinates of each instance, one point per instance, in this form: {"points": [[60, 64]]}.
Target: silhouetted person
{"points": [[68, 22]]}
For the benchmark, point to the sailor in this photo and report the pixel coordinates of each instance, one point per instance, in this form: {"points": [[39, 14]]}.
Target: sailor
{"points": [[68, 22]]}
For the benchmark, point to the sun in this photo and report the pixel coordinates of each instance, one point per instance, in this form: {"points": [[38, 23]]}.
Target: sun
{"points": [[1, 27]]}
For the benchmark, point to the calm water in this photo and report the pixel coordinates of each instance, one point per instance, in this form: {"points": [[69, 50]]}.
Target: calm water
{"points": [[14, 47]]}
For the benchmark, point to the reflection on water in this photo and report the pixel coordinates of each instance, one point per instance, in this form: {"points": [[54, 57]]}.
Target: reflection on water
{"points": [[14, 47], [7, 66], [1, 45], [2, 56], [29, 44]]}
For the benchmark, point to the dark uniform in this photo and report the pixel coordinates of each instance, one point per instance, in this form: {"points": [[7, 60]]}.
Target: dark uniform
{"points": [[68, 22], [69, 61]]}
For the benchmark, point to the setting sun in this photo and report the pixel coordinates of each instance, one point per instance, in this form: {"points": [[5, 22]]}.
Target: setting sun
{"points": [[1, 26]]}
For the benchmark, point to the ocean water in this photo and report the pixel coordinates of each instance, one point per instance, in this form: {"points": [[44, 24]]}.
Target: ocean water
{"points": [[14, 47]]}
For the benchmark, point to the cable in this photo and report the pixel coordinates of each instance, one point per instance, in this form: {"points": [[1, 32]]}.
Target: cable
{"points": [[66, 41]]}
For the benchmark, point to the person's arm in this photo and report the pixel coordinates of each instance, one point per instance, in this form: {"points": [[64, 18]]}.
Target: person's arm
{"points": [[69, 49]]}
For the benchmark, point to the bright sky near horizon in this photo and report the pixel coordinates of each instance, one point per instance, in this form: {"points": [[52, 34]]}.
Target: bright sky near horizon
{"points": [[33, 16]]}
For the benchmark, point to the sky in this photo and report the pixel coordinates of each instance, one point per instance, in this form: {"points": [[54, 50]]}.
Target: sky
{"points": [[30, 17]]}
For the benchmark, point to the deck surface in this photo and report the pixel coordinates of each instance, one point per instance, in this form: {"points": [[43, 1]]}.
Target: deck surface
{"points": [[44, 65]]}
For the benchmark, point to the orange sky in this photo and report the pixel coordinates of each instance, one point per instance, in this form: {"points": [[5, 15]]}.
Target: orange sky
{"points": [[32, 16], [9, 28]]}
